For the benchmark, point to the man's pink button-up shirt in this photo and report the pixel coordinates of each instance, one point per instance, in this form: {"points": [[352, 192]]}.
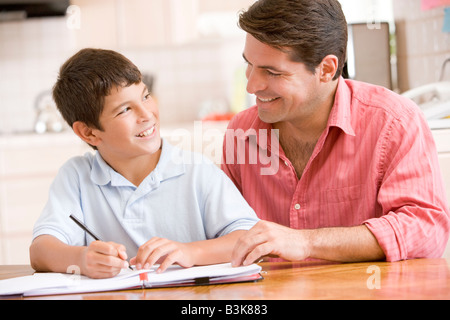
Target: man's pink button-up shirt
{"points": [[375, 164]]}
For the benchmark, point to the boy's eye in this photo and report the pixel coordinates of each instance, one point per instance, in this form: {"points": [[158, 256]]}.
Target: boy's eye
{"points": [[147, 96], [124, 110]]}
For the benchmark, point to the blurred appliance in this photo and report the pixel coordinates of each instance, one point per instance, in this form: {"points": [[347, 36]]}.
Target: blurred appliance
{"points": [[369, 53], [434, 100], [16, 9], [48, 118]]}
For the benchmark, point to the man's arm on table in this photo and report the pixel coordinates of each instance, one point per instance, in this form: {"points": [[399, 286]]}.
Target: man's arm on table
{"points": [[343, 244]]}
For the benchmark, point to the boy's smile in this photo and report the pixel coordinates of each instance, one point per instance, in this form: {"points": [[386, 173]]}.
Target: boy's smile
{"points": [[149, 133]]}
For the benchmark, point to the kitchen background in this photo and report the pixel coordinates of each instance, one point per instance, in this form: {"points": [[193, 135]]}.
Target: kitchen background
{"points": [[191, 53]]}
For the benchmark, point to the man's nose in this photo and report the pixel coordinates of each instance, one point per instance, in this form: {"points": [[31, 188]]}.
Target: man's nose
{"points": [[255, 82]]}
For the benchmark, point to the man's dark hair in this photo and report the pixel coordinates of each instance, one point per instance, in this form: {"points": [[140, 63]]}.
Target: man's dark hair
{"points": [[309, 29]]}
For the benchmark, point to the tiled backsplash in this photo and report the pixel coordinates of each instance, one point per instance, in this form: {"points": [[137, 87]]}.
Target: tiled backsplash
{"points": [[422, 46], [186, 76], [31, 52]]}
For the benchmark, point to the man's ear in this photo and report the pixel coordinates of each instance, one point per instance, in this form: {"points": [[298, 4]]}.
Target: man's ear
{"points": [[328, 68], [86, 133]]}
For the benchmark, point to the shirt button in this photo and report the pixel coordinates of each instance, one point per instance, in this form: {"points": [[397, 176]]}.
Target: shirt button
{"points": [[286, 163], [297, 206]]}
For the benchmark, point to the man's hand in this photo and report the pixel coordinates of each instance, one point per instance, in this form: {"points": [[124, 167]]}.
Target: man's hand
{"points": [[270, 239], [342, 244]]}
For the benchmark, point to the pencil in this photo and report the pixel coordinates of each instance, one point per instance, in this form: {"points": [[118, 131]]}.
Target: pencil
{"points": [[85, 228]]}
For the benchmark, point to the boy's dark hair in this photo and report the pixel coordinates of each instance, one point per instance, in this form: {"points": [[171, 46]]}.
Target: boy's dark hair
{"points": [[86, 79], [312, 29]]}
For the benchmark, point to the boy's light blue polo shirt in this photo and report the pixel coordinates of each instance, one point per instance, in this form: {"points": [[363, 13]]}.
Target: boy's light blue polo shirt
{"points": [[186, 198]]}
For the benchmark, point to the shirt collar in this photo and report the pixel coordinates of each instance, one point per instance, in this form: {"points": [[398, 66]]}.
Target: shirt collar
{"points": [[170, 162], [340, 115], [101, 172], [167, 167], [254, 130]]}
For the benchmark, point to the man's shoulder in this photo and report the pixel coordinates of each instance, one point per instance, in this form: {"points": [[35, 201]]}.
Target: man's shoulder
{"points": [[378, 97]]}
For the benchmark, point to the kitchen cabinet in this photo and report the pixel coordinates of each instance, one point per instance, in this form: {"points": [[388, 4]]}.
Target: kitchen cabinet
{"points": [[442, 138], [28, 165], [144, 23], [135, 23]]}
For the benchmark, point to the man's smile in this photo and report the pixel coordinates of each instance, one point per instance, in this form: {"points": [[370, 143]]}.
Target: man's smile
{"points": [[267, 99]]}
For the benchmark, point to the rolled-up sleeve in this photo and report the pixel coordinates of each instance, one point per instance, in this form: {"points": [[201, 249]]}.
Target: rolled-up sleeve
{"points": [[415, 221]]}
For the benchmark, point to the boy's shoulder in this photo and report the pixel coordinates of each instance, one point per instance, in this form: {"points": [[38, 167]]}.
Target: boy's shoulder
{"points": [[78, 165], [193, 166], [178, 156]]}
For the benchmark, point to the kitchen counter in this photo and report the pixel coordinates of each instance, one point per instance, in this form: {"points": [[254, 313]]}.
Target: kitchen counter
{"points": [[442, 138]]}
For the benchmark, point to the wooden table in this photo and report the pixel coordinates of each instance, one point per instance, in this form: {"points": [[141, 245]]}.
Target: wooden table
{"points": [[412, 279]]}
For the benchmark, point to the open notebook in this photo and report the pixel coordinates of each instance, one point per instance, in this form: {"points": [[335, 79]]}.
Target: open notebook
{"points": [[58, 283]]}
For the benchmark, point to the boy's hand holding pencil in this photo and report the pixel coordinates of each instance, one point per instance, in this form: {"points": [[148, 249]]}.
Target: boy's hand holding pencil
{"points": [[104, 259]]}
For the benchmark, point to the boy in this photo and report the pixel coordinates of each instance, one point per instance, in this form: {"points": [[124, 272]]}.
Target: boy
{"points": [[133, 192]]}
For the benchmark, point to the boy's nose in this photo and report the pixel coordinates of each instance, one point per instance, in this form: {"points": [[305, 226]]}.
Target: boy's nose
{"points": [[145, 114]]}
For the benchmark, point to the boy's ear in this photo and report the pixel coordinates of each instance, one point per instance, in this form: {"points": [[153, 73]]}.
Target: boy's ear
{"points": [[86, 133]]}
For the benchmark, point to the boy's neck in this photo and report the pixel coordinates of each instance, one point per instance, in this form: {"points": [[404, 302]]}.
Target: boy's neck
{"points": [[136, 169]]}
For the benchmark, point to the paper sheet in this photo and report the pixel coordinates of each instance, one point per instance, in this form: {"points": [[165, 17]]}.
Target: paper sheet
{"points": [[57, 283], [62, 281]]}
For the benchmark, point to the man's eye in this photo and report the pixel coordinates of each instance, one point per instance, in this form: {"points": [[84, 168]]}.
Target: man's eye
{"points": [[273, 74]]}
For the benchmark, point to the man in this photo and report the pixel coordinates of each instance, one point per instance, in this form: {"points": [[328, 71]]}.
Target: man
{"points": [[358, 176]]}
